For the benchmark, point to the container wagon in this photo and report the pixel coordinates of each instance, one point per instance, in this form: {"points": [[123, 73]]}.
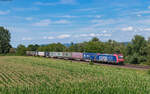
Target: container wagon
{"points": [[67, 55], [77, 55], [42, 54]]}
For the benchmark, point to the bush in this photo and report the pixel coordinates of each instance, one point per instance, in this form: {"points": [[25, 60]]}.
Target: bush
{"points": [[91, 63], [142, 59], [21, 50], [134, 59], [148, 71]]}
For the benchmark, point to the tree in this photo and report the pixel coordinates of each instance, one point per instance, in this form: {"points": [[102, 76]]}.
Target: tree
{"points": [[32, 47], [149, 40], [12, 50], [129, 49], [54, 47], [21, 50], [4, 40], [95, 39], [139, 44]]}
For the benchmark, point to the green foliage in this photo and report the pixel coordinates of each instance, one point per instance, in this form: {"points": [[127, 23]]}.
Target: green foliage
{"points": [[91, 63], [139, 44], [4, 40], [133, 59], [149, 71], [32, 47], [54, 47], [21, 50], [94, 39], [12, 50]]}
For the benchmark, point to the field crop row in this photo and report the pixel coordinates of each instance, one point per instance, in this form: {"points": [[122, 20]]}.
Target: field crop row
{"points": [[35, 75]]}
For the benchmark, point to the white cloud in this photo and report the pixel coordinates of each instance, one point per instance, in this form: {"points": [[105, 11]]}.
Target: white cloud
{"points": [[67, 1], [68, 16], [104, 31], [62, 22], [49, 37], [45, 4], [4, 12], [63, 36], [45, 22], [26, 9], [87, 9], [26, 39], [29, 18], [61, 2], [97, 21], [142, 12], [95, 35], [146, 29], [98, 16], [139, 15], [130, 28]]}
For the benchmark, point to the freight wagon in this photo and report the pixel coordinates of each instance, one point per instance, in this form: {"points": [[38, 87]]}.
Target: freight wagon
{"points": [[77, 55], [31, 53], [67, 55], [42, 54]]}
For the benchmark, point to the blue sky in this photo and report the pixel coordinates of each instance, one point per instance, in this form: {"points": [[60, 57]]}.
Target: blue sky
{"points": [[48, 21]]}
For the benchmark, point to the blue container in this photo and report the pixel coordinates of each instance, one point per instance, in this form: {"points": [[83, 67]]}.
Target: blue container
{"points": [[89, 56], [106, 58]]}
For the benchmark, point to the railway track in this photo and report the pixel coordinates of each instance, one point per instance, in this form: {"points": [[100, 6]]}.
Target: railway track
{"points": [[131, 66]]}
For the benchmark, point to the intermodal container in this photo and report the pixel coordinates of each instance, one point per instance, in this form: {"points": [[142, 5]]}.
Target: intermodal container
{"points": [[30, 53], [46, 54], [51, 54], [67, 54], [77, 55], [41, 54], [58, 54]]}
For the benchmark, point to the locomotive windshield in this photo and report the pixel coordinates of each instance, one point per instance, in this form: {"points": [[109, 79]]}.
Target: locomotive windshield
{"points": [[120, 57]]}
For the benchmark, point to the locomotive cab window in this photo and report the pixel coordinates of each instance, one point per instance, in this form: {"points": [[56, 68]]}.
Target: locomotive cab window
{"points": [[120, 57]]}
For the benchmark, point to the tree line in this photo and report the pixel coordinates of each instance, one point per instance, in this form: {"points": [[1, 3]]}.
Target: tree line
{"points": [[135, 52]]}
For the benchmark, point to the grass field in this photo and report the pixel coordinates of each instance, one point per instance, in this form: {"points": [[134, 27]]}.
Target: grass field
{"points": [[34, 75]]}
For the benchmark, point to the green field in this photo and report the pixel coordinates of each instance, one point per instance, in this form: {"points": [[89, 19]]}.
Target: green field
{"points": [[35, 75]]}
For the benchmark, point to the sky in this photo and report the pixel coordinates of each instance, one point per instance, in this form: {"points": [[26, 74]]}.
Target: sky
{"points": [[65, 21]]}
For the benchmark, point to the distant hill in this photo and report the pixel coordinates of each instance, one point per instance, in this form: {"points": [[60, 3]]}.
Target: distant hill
{"points": [[69, 44]]}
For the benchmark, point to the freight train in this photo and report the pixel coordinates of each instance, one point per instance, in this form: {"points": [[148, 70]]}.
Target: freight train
{"points": [[95, 57]]}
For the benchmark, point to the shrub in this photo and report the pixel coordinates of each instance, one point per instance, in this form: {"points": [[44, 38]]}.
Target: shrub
{"points": [[148, 71], [91, 63], [142, 59], [134, 59]]}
